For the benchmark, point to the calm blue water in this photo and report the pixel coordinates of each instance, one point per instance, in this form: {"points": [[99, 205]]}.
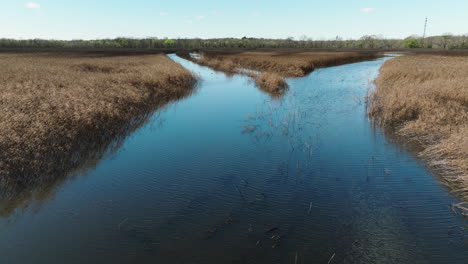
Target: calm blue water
{"points": [[206, 178]]}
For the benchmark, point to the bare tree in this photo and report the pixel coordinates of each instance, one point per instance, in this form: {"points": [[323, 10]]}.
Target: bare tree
{"points": [[445, 40]]}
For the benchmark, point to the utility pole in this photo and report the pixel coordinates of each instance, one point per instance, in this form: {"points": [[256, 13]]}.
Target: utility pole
{"points": [[424, 34], [425, 26]]}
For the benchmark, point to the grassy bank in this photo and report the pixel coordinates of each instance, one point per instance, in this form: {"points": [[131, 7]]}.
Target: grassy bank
{"points": [[57, 109], [269, 69], [426, 98]]}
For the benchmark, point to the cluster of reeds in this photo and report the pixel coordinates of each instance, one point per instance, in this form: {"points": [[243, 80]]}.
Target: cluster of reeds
{"points": [[269, 69], [58, 108], [287, 64], [426, 98], [272, 83]]}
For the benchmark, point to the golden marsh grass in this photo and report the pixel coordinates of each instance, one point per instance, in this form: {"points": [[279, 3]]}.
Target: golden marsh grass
{"points": [[426, 98], [286, 64], [57, 108]]}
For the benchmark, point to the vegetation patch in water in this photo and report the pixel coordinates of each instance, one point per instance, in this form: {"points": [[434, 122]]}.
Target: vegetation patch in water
{"points": [[269, 69]]}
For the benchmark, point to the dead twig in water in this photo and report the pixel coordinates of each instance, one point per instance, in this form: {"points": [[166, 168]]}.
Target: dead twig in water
{"points": [[271, 230], [240, 193], [244, 181], [210, 233], [310, 208], [123, 222], [330, 260], [277, 240]]}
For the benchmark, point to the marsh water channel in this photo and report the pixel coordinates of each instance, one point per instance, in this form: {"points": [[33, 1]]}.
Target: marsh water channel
{"points": [[231, 175]]}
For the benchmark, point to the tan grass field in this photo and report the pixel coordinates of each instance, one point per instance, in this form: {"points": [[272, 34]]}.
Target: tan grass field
{"points": [[273, 67], [57, 108], [426, 98]]}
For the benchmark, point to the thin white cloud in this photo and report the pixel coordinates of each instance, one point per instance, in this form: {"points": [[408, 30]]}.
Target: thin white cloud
{"points": [[189, 21], [200, 17], [256, 14], [163, 14], [217, 13], [367, 10], [32, 5]]}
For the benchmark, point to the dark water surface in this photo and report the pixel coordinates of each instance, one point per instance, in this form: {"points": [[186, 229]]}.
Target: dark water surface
{"points": [[230, 175]]}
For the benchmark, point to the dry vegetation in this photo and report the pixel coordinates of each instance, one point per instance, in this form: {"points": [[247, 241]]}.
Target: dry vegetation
{"points": [[57, 109], [286, 64], [269, 69], [271, 83], [426, 98]]}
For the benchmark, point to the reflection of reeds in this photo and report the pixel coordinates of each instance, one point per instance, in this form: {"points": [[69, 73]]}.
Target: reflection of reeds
{"points": [[425, 97], [60, 111]]}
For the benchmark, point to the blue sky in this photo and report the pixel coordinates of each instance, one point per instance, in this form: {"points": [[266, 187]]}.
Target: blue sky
{"points": [[89, 19]]}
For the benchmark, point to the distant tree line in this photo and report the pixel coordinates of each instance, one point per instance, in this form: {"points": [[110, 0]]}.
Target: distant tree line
{"points": [[445, 41]]}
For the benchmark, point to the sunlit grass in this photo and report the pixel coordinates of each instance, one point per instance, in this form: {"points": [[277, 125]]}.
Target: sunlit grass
{"points": [[56, 108], [426, 97]]}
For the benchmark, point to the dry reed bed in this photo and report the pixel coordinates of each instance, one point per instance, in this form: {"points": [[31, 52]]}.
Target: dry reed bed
{"points": [[57, 109], [286, 64], [426, 98], [270, 68]]}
